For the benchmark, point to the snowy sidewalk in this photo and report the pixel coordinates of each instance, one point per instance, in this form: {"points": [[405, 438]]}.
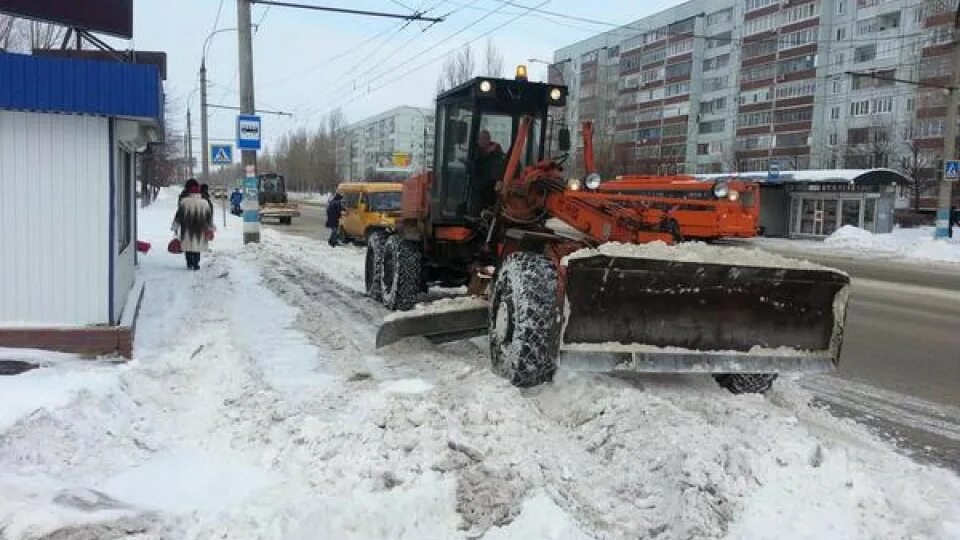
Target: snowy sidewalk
{"points": [[257, 407], [915, 246]]}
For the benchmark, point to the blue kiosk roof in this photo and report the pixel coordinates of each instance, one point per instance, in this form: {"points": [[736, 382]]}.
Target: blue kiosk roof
{"points": [[70, 85]]}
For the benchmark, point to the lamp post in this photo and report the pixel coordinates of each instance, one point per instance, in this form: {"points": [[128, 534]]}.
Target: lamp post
{"points": [[204, 142]]}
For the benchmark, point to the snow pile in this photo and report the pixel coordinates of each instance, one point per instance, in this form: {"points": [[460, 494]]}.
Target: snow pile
{"points": [[915, 244], [312, 198], [443, 305], [695, 252]]}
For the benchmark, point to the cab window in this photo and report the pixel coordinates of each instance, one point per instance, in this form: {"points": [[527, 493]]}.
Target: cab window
{"points": [[351, 199], [384, 201]]}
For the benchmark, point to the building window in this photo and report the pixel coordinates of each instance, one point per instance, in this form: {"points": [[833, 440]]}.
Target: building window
{"points": [[720, 17], [804, 114], [841, 33], [751, 119], [860, 108], [760, 24], [124, 200], [716, 83], [837, 86], [680, 47], [715, 126], [797, 89], [865, 53], [794, 65], [674, 130], [788, 140], [678, 89], [757, 73], [930, 127], [703, 149], [881, 105], [798, 38], [717, 62], [750, 5], [799, 13], [840, 7], [713, 106], [759, 48], [755, 96], [835, 113], [754, 142], [719, 40], [911, 103], [834, 139], [679, 70]]}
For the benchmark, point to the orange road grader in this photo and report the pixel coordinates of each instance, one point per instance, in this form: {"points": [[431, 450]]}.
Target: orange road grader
{"points": [[583, 269]]}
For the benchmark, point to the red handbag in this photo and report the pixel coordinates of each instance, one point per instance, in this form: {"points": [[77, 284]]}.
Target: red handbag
{"points": [[208, 234], [174, 246]]}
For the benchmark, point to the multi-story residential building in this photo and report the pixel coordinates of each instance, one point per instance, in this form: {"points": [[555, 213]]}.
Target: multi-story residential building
{"points": [[394, 143], [747, 85]]}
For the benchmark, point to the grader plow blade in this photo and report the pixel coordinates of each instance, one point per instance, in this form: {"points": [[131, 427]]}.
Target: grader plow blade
{"points": [[438, 327], [692, 316]]}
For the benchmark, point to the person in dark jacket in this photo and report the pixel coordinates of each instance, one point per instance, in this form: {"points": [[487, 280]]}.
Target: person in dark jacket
{"points": [[236, 198], [334, 211], [191, 223], [488, 170], [205, 193]]}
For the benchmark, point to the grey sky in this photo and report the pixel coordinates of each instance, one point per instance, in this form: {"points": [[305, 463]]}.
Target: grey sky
{"points": [[296, 63]]}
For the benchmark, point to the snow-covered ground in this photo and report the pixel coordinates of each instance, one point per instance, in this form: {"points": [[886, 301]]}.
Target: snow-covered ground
{"points": [[315, 198], [910, 245], [257, 407]]}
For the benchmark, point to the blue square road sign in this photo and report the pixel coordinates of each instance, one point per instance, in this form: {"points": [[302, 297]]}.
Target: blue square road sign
{"points": [[248, 132], [951, 169], [221, 154]]}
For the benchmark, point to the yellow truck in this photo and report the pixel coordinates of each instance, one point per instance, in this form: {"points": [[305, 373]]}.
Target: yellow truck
{"points": [[368, 207]]}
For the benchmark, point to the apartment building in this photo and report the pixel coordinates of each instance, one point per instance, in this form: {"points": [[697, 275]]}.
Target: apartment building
{"points": [[746, 85], [394, 143]]}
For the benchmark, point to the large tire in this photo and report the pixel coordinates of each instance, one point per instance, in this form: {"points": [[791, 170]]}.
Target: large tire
{"points": [[746, 383], [373, 265], [525, 320], [400, 273]]}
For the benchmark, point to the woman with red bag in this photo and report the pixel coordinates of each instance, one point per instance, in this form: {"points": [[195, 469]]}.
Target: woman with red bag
{"points": [[193, 224]]}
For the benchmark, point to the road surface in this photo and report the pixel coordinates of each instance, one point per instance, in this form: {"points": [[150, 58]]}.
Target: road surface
{"points": [[310, 223]]}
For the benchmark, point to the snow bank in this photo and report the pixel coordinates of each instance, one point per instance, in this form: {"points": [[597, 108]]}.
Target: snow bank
{"points": [[61, 379], [540, 519], [912, 244], [695, 252], [444, 305], [316, 198]]}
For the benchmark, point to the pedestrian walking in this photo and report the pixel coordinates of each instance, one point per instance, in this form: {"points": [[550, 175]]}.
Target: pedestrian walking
{"points": [[205, 193], [193, 224], [186, 188], [236, 199], [334, 211]]}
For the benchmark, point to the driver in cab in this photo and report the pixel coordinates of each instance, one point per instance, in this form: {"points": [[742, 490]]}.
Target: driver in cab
{"points": [[488, 170]]}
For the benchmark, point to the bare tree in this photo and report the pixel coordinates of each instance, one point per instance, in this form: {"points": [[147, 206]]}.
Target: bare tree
{"points": [[492, 60], [870, 147], [8, 29], [457, 69], [918, 166], [21, 35]]}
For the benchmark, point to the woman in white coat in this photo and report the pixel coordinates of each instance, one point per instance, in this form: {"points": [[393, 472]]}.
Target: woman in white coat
{"points": [[191, 223]]}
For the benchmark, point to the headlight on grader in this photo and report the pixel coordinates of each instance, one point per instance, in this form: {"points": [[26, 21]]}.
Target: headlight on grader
{"points": [[734, 195], [574, 184], [593, 181], [486, 86], [721, 189], [555, 94]]}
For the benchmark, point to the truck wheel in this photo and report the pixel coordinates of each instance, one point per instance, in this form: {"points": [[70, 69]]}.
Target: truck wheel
{"points": [[746, 383], [373, 265], [286, 220], [400, 274], [525, 320]]}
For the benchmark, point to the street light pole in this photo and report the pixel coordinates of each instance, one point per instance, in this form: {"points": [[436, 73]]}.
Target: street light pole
{"points": [[189, 145], [251, 227], [945, 197], [204, 142]]}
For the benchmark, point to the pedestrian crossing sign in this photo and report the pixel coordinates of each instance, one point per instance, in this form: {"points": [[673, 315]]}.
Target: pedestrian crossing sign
{"points": [[221, 154], [951, 170]]}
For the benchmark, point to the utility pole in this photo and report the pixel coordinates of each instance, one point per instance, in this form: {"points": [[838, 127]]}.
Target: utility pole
{"points": [[945, 197], [189, 146], [204, 143], [251, 217]]}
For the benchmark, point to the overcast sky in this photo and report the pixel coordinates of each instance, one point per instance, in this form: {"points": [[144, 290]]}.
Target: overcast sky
{"points": [[309, 62]]}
